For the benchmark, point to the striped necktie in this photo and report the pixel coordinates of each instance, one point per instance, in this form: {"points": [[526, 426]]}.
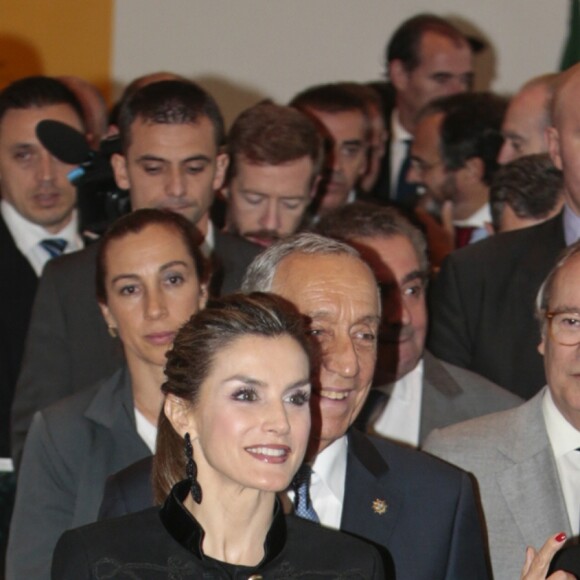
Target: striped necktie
{"points": [[303, 507], [54, 246]]}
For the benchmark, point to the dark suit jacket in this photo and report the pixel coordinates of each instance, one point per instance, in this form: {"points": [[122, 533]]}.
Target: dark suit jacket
{"points": [[482, 306], [17, 288], [72, 448], [431, 526], [68, 347], [450, 395]]}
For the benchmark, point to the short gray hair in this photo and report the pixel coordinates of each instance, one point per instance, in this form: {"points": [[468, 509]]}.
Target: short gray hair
{"points": [[260, 274], [546, 289]]}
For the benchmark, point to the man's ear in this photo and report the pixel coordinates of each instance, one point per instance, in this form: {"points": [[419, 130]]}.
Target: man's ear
{"points": [[178, 413], [119, 163], [542, 345], [222, 162], [398, 75], [476, 168], [203, 295], [553, 138]]}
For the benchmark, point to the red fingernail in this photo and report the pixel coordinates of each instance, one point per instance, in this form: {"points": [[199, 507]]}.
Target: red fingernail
{"points": [[560, 537]]}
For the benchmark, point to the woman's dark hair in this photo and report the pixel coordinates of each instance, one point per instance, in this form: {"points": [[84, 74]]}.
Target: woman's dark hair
{"points": [[137, 221], [191, 359]]}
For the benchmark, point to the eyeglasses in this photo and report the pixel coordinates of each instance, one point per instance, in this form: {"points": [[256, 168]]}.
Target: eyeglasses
{"points": [[564, 327]]}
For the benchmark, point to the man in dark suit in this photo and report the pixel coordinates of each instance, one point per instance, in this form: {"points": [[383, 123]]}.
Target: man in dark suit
{"points": [[413, 391], [372, 488], [171, 134], [37, 221], [482, 302], [427, 57], [423, 511]]}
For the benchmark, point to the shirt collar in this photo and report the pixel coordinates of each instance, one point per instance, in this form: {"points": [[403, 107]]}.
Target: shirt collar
{"points": [[571, 226], [330, 466], [399, 133], [27, 235], [562, 435], [207, 246], [186, 530], [412, 380], [477, 219]]}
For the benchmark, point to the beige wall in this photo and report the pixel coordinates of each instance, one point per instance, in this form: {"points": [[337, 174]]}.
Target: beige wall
{"points": [[56, 37], [245, 50]]}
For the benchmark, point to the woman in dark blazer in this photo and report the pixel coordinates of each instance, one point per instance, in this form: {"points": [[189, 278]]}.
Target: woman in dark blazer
{"points": [[150, 280], [236, 420]]}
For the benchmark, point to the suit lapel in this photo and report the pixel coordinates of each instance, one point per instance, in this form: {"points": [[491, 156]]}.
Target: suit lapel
{"points": [[439, 390], [368, 490], [115, 444], [542, 505]]}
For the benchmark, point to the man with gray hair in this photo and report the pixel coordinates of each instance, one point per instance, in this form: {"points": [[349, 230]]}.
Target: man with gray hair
{"points": [[365, 486], [526, 460], [414, 392]]}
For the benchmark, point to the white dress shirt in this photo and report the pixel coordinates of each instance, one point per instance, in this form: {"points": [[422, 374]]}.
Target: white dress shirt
{"points": [[477, 220], [146, 430], [565, 439], [327, 483], [27, 236], [400, 420], [400, 138]]}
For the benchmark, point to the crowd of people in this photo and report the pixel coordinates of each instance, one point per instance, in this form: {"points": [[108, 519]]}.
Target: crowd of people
{"points": [[339, 340]]}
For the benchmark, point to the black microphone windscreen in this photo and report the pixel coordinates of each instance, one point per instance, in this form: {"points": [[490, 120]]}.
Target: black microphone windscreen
{"points": [[65, 143]]}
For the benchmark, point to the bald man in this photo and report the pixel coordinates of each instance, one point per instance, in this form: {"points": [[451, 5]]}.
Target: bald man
{"points": [[527, 118]]}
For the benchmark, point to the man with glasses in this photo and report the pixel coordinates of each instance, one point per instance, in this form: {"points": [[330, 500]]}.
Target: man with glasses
{"points": [[454, 157], [527, 460]]}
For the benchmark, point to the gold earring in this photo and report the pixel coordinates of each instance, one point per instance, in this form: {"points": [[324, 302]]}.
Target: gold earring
{"points": [[112, 331]]}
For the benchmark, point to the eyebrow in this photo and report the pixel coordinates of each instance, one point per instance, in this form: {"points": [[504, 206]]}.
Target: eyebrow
{"points": [[414, 275], [166, 266], [149, 157], [251, 382], [351, 142], [564, 308], [325, 315]]}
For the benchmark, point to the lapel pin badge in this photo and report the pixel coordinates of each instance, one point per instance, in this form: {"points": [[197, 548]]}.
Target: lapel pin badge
{"points": [[380, 506]]}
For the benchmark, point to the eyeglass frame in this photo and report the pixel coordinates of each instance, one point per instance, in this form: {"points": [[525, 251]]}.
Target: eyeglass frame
{"points": [[550, 314]]}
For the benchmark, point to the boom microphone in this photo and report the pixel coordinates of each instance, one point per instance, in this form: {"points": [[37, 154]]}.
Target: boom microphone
{"points": [[65, 143]]}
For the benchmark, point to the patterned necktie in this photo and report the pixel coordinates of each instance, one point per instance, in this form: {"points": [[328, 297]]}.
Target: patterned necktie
{"points": [[303, 507], [406, 192], [54, 246]]}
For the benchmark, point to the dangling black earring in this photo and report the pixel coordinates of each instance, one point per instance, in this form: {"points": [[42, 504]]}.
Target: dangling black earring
{"points": [[191, 470]]}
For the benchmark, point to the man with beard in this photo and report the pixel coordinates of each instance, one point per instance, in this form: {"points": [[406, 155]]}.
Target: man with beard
{"points": [[275, 158], [413, 391], [454, 157]]}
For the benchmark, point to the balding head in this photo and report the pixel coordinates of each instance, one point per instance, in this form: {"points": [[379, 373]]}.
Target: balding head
{"points": [[563, 142], [527, 118]]}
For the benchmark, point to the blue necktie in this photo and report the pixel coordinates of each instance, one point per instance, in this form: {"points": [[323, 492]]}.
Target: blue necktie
{"points": [[406, 192], [54, 246], [303, 507]]}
